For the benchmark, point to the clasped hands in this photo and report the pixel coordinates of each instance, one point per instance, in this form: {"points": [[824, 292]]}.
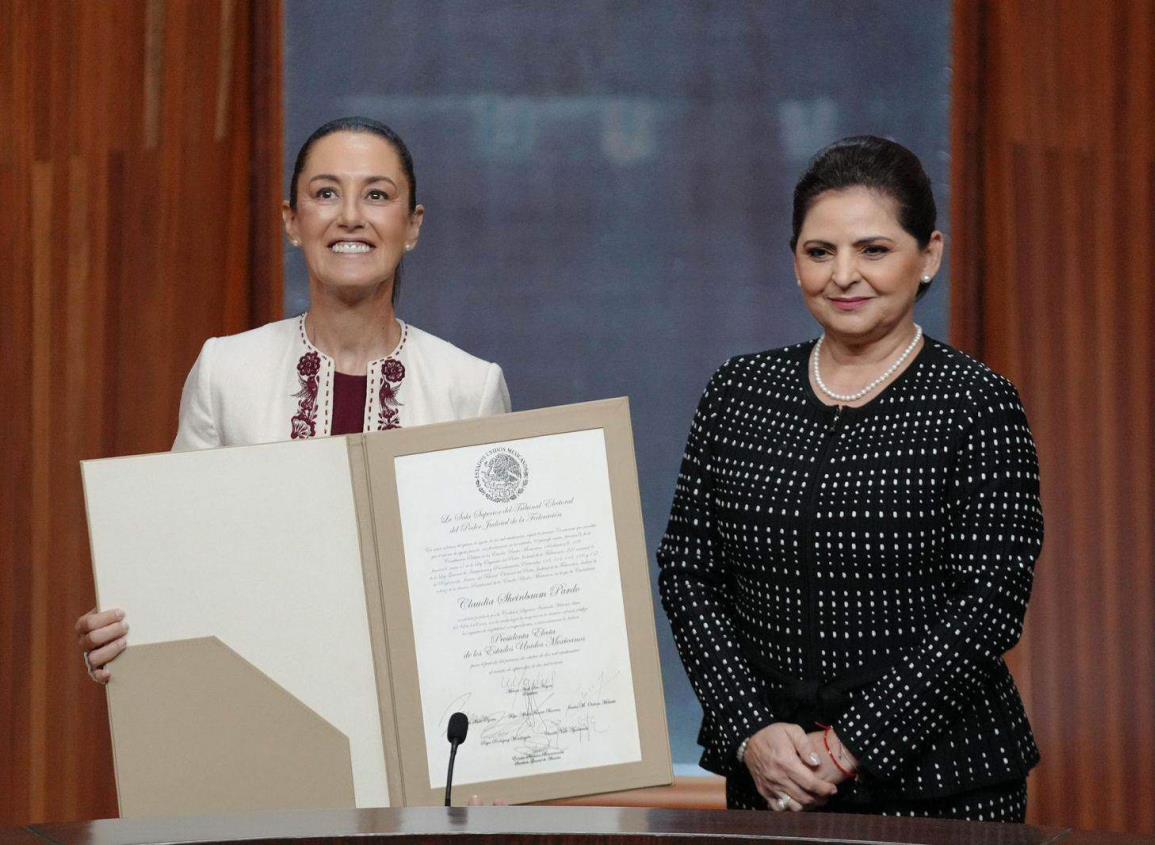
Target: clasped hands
{"points": [[792, 769]]}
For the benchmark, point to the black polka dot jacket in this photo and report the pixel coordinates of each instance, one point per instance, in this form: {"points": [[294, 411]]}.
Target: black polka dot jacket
{"points": [[807, 542]]}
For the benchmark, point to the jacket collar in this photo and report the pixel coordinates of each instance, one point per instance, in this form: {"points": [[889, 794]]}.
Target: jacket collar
{"points": [[374, 366]]}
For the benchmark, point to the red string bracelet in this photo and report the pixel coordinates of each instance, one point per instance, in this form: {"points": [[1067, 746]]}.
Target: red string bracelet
{"points": [[826, 729]]}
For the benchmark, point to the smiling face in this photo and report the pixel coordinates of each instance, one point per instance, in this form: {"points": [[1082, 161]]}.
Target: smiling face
{"points": [[859, 269], [352, 218]]}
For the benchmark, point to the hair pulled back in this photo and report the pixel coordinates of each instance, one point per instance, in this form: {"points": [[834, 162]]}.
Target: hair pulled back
{"points": [[355, 124], [867, 161]]}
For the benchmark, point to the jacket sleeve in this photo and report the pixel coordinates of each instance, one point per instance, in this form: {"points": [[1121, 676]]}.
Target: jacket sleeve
{"points": [[495, 394], [197, 427], [695, 591], [995, 525]]}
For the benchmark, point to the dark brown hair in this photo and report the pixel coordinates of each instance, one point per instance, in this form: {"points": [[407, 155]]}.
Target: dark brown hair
{"points": [[355, 124]]}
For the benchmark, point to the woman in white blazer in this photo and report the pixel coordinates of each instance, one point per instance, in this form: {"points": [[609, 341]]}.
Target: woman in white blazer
{"points": [[349, 364], [276, 383]]}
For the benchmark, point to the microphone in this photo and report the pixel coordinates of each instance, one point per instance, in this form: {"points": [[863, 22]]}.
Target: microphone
{"points": [[458, 728]]}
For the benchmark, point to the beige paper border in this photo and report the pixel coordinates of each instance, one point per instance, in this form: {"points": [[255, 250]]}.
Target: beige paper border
{"points": [[390, 616], [378, 631]]}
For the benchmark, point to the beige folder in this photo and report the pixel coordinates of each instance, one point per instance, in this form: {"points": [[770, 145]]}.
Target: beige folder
{"points": [[200, 729], [272, 661]]}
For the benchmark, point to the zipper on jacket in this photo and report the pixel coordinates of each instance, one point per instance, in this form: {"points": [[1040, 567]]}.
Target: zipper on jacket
{"points": [[810, 666]]}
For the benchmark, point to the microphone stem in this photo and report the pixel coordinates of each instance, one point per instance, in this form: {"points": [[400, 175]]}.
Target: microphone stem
{"points": [[449, 776]]}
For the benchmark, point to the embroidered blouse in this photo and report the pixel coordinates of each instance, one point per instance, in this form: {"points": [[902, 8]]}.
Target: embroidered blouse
{"points": [[272, 384]]}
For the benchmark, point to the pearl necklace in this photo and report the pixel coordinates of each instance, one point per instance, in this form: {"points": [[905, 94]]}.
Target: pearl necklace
{"points": [[874, 385]]}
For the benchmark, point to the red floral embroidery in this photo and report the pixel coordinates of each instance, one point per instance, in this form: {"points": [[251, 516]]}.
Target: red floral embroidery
{"points": [[393, 372], [310, 364], [304, 422]]}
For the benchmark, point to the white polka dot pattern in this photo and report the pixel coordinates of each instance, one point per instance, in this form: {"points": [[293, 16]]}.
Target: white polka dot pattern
{"points": [[824, 540]]}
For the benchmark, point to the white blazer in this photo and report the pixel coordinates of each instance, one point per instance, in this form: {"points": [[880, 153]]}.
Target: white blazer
{"points": [[272, 384]]}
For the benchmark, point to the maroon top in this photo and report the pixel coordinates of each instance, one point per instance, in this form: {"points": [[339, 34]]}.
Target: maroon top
{"points": [[348, 403]]}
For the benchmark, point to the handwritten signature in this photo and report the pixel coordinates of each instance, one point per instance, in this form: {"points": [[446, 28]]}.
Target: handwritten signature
{"points": [[540, 726]]}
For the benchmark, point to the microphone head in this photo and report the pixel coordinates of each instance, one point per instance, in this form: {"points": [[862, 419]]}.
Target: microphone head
{"points": [[458, 728]]}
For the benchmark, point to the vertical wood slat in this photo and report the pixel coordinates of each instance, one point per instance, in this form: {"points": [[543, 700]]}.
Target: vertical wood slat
{"points": [[40, 409], [224, 69], [15, 380], [266, 65], [154, 31], [127, 172], [1054, 238]]}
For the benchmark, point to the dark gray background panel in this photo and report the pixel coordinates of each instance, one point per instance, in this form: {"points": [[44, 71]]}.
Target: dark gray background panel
{"points": [[608, 184]]}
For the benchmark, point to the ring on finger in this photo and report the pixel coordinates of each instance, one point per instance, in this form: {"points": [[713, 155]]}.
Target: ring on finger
{"points": [[88, 665], [783, 802]]}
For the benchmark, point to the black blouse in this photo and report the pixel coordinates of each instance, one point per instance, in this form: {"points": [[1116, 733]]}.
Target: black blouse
{"points": [[815, 541]]}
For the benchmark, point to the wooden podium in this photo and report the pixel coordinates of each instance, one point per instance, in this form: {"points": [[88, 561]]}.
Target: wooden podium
{"points": [[561, 825]]}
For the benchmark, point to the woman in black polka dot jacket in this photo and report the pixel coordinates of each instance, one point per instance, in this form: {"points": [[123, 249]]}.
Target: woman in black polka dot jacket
{"points": [[854, 531]]}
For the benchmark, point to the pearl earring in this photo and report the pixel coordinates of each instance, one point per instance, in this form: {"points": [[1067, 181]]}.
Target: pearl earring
{"points": [[798, 280], [408, 247], [926, 280], [295, 242]]}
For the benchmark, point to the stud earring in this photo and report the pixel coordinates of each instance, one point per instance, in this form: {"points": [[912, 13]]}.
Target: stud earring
{"points": [[798, 280], [295, 242], [926, 280], [408, 247]]}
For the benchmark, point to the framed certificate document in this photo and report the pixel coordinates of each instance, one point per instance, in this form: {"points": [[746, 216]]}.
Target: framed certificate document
{"points": [[494, 567], [513, 587]]}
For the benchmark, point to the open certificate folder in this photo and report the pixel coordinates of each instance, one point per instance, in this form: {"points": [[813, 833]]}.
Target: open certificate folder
{"points": [[306, 616]]}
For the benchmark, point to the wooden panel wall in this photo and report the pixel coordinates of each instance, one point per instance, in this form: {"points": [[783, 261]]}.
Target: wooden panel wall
{"points": [[139, 182], [1053, 267]]}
